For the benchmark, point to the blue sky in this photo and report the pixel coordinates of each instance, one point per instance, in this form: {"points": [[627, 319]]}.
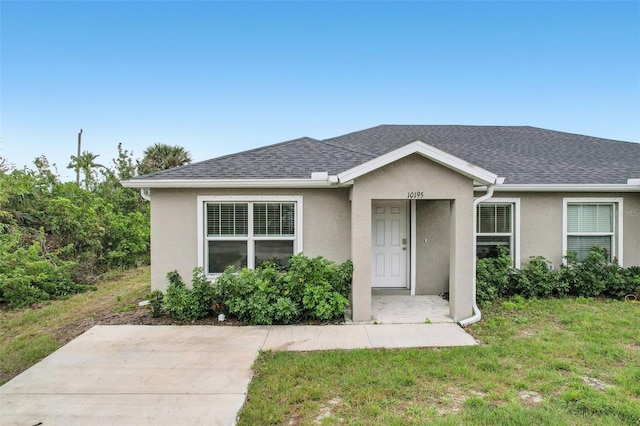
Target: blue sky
{"points": [[221, 77]]}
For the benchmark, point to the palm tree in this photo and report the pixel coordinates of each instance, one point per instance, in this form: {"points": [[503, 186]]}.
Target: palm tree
{"points": [[161, 156], [85, 163]]}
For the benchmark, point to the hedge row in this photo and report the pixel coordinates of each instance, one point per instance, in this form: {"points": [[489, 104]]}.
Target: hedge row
{"points": [[591, 277]]}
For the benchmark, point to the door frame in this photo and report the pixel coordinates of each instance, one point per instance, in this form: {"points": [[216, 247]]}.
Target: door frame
{"points": [[412, 224], [410, 258]]}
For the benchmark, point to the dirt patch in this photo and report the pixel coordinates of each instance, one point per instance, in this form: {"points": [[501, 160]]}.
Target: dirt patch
{"points": [[141, 316], [596, 384], [453, 401], [632, 346], [530, 398], [326, 411], [137, 316]]}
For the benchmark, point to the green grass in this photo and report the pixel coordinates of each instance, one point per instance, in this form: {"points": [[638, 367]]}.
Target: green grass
{"points": [[30, 334], [543, 362]]}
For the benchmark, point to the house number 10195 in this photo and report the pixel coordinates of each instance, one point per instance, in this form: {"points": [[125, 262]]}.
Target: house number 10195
{"points": [[413, 195]]}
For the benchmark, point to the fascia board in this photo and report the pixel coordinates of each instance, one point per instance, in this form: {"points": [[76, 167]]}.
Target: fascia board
{"points": [[565, 188], [228, 183], [476, 173]]}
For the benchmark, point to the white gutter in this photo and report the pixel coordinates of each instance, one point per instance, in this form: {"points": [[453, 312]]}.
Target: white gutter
{"points": [[631, 186], [145, 193], [330, 181], [476, 311]]}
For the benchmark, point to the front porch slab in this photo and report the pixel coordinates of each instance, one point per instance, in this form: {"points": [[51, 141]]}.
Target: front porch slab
{"points": [[405, 309]]}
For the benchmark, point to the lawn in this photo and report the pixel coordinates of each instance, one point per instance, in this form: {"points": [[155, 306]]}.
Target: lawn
{"points": [[543, 362], [30, 334]]}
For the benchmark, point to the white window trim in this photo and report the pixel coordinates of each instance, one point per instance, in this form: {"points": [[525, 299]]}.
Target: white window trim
{"points": [[516, 225], [203, 199], [617, 230]]}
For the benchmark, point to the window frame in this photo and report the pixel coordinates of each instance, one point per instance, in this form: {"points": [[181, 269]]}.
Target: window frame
{"points": [[515, 226], [203, 239], [618, 214]]}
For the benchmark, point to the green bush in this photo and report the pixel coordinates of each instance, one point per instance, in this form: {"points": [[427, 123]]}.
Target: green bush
{"points": [[322, 302], [256, 297], [590, 277], [538, 279], [81, 232], [493, 278], [29, 274], [629, 285], [319, 286], [186, 304], [308, 289], [156, 305]]}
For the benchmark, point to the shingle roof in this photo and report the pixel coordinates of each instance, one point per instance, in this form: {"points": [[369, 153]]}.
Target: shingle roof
{"points": [[521, 154]]}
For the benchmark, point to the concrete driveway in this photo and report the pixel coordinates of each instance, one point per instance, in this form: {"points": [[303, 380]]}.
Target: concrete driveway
{"points": [[178, 375]]}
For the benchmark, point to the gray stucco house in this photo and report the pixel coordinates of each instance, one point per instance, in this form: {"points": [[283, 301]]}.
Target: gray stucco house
{"points": [[410, 205]]}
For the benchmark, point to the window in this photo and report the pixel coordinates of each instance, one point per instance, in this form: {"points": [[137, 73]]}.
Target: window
{"points": [[589, 222], [239, 232], [496, 226]]}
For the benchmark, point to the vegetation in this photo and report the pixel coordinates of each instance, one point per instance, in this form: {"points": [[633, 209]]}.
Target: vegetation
{"points": [[305, 290], [161, 156], [562, 361], [188, 304], [29, 334], [57, 238], [308, 289], [594, 276]]}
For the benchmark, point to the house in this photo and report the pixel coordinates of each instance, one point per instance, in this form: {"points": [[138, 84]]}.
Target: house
{"points": [[410, 205]]}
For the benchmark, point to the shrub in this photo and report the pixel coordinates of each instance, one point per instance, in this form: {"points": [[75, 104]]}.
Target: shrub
{"points": [[321, 301], [256, 297], [537, 279], [186, 304], [621, 281], [308, 289], [156, 305], [493, 277], [201, 294], [589, 277], [29, 274]]}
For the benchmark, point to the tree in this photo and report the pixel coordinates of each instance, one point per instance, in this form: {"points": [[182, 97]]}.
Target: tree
{"points": [[5, 166], [85, 163], [162, 156]]}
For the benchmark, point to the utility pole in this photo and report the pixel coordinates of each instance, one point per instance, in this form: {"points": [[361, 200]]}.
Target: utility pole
{"points": [[78, 158]]}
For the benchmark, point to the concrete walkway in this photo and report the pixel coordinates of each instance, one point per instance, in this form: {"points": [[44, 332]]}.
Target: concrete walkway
{"points": [[178, 375]]}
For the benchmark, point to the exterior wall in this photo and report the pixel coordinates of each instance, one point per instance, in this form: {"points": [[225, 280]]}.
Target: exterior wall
{"points": [[174, 227], [393, 182], [541, 224], [432, 246]]}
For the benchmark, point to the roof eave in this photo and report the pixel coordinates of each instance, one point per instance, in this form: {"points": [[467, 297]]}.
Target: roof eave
{"points": [[553, 187], [229, 183]]}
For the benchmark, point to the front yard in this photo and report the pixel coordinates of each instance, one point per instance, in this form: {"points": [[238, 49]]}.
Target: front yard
{"points": [[543, 362], [552, 361]]}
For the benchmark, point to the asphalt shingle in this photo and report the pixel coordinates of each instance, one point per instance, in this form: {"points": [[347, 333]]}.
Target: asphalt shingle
{"points": [[521, 154]]}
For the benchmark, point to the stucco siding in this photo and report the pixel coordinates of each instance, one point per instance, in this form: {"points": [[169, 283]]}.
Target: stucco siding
{"points": [[432, 246], [174, 227], [541, 224], [394, 182]]}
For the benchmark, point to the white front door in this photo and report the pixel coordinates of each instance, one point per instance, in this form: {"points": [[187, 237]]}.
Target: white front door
{"points": [[389, 235]]}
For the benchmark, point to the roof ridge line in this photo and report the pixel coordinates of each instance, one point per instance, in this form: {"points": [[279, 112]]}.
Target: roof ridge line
{"points": [[335, 145]]}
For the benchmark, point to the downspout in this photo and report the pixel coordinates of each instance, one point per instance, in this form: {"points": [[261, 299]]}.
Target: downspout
{"points": [[145, 193], [476, 311]]}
